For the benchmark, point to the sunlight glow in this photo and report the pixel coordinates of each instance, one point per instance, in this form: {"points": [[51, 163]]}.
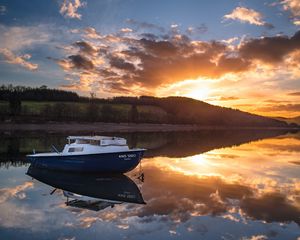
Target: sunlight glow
{"points": [[200, 93], [199, 89]]}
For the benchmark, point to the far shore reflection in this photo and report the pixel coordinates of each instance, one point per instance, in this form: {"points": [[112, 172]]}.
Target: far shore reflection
{"points": [[14, 147]]}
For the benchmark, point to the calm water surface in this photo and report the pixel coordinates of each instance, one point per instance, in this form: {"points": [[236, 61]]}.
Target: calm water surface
{"points": [[197, 185]]}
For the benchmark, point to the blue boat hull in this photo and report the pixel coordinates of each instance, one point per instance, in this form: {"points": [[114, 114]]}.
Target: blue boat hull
{"points": [[119, 162]]}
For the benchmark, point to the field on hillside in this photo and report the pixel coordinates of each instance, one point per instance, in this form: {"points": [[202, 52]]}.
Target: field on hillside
{"points": [[87, 111], [170, 110]]}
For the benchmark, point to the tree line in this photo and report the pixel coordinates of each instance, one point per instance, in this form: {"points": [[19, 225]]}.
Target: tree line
{"points": [[42, 93]]}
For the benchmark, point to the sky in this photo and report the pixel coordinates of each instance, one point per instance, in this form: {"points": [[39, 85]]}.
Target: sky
{"points": [[239, 54]]}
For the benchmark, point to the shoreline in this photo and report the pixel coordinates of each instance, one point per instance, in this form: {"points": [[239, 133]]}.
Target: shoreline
{"points": [[119, 127]]}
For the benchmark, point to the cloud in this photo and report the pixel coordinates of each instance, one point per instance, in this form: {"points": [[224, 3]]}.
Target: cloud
{"points": [[18, 191], [76, 62], [282, 107], [230, 40], [87, 222], [294, 94], [69, 8], [67, 238], [11, 58], [190, 196], [263, 208], [17, 41], [126, 30], [256, 237], [143, 62], [247, 15], [121, 64], [270, 49], [92, 33], [86, 47], [144, 25], [3, 10], [187, 197], [228, 98], [150, 63], [18, 217], [197, 30], [18, 38], [80, 62], [294, 7]]}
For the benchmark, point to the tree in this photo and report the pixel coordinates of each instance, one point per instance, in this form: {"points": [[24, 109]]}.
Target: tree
{"points": [[134, 114], [107, 113], [15, 105], [92, 112], [92, 109]]}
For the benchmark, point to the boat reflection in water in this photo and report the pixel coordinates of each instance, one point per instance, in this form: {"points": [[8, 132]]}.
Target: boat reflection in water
{"points": [[90, 191]]}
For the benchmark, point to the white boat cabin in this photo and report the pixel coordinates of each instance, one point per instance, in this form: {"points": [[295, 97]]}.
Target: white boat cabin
{"points": [[97, 140], [94, 144]]}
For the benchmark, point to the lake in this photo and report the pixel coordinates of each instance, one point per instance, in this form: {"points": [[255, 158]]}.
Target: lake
{"points": [[210, 184]]}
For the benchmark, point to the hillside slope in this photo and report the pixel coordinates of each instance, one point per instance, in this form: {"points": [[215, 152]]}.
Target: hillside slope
{"points": [[295, 120], [24, 104], [187, 110]]}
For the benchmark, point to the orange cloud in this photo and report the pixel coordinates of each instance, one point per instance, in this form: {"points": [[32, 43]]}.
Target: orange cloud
{"points": [[91, 33], [126, 30], [150, 63], [17, 191], [147, 63], [294, 7], [247, 15], [294, 94], [228, 98], [281, 107], [270, 49], [11, 58]]}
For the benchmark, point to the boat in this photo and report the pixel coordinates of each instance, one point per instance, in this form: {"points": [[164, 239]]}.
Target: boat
{"points": [[93, 191], [90, 154]]}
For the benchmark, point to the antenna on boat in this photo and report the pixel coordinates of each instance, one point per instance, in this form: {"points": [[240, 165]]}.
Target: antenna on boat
{"points": [[141, 175], [53, 191], [54, 148]]}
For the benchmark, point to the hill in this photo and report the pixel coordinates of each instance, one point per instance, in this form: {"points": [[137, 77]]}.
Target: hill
{"points": [[295, 120], [187, 110], [22, 104]]}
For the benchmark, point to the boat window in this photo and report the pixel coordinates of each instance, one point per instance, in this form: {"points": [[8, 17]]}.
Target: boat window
{"points": [[95, 142], [88, 141], [82, 141], [76, 149]]}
